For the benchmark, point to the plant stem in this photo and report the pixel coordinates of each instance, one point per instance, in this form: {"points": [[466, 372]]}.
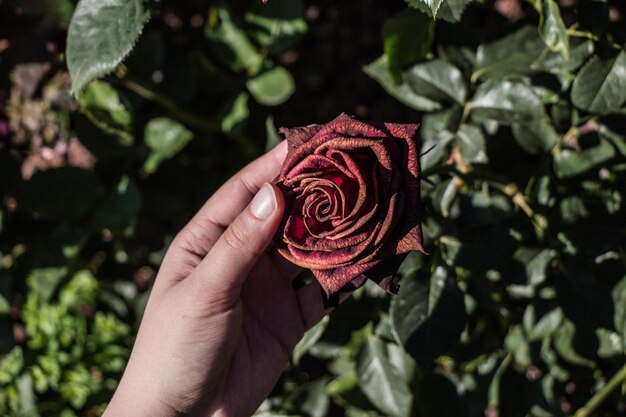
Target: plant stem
{"points": [[170, 105], [580, 34], [602, 394]]}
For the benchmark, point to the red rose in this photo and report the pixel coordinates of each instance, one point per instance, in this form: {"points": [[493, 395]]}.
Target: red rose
{"points": [[352, 199]]}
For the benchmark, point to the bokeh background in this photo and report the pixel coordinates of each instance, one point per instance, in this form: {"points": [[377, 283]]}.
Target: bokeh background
{"points": [[520, 308]]}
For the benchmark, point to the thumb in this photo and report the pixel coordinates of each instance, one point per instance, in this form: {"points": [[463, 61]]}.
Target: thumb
{"points": [[223, 271]]}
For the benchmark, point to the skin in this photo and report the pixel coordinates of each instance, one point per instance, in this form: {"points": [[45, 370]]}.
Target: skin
{"points": [[223, 317]]}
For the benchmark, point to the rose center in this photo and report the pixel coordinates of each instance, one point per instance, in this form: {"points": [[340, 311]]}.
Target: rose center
{"points": [[327, 200]]}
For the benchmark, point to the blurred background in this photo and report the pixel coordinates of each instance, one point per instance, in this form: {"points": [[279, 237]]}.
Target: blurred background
{"points": [[520, 308]]}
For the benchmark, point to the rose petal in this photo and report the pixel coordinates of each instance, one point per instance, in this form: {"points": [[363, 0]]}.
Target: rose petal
{"points": [[333, 280], [297, 136]]}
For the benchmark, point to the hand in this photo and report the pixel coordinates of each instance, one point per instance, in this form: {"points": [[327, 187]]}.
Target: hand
{"points": [[223, 317]]}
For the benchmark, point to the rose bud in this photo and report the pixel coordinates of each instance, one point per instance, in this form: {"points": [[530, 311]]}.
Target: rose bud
{"points": [[352, 201]]}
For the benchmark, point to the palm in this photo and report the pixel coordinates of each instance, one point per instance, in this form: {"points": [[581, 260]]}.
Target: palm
{"points": [[271, 326]]}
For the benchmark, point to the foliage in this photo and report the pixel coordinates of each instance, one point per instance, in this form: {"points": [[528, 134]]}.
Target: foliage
{"points": [[519, 310]]}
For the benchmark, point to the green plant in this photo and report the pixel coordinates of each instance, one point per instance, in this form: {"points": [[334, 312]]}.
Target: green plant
{"points": [[517, 311]]}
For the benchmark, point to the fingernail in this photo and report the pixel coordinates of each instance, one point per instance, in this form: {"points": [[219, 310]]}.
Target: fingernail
{"points": [[264, 202]]}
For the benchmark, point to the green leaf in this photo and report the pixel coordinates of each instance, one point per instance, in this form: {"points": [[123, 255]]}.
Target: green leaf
{"points": [[535, 136], [234, 112], [546, 326], [165, 138], [407, 37], [276, 25], [512, 54], [553, 29], [579, 51], [230, 43], [437, 80], [379, 382], [82, 289], [272, 137], [610, 344], [468, 248], [379, 71], [619, 300], [428, 315], [66, 192], [309, 339], [472, 144], [100, 36], [448, 10], [438, 129], [107, 109], [564, 344], [585, 299], [119, 212], [272, 87], [595, 150], [43, 282], [506, 102], [600, 86]]}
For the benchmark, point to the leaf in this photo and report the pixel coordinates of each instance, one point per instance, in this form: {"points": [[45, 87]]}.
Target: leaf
{"points": [[316, 403], [273, 138], [553, 29], [535, 136], [309, 339], [106, 108], [165, 138], [546, 326], [600, 86], [448, 10], [468, 248], [610, 344], [118, 213], [512, 54], [595, 151], [428, 315], [380, 384], [564, 344], [437, 80], [437, 130], [43, 282], [472, 144], [506, 102], [234, 113], [579, 51], [66, 192], [276, 25], [407, 37], [230, 43], [619, 300], [379, 71], [585, 299], [100, 35], [272, 87]]}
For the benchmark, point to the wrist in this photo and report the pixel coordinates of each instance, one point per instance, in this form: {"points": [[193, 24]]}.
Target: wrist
{"points": [[128, 402]]}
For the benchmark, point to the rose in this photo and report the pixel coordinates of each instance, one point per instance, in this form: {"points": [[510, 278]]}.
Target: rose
{"points": [[352, 206]]}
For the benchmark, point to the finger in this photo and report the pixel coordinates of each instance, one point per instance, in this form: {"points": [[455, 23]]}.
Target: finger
{"points": [[198, 237], [219, 277], [311, 301]]}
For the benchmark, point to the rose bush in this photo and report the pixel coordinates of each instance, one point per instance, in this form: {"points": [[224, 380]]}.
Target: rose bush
{"points": [[352, 201]]}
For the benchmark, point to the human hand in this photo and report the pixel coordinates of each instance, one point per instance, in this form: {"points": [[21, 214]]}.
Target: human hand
{"points": [[223, 317]]}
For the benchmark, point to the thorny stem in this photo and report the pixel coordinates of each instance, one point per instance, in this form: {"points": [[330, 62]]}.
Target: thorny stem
{"points": [[604, 392]]}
